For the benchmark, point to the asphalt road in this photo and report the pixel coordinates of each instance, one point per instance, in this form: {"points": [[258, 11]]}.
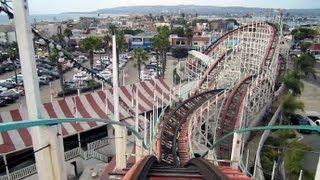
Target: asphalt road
{"points": [[310, 160]]}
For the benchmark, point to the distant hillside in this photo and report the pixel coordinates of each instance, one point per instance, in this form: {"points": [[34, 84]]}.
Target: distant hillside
{"points": [[202, 10]]}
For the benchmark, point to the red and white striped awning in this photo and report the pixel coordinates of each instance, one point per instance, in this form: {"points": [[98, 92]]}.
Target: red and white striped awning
{"points": [[91, 105]]}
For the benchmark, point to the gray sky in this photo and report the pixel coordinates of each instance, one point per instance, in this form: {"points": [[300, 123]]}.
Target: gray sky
{"points": [[58, 6]]}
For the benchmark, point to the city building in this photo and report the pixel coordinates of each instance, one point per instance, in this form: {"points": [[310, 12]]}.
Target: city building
{"points": [[7, 34], [143, 41], [314, 49]]}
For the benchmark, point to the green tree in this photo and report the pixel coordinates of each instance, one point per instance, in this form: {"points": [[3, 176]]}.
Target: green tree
{"points": [[106, 40], [290, 103], [113, 29], [305, 64], [293, 83], [67, 33], [140, 56], [13, 53], [54, 58], [161, 44], [303, 33], [91, 44], [161, 19], [189, 34], [304, 46], [120, 42], [294, 157], [179, 31]]}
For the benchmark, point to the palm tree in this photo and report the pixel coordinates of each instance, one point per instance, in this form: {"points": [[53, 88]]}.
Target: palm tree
{"points": [[13, 53], [140, 57], [305, 64], [290, 103], [161, 44], [91, 44], [67, 33], [189, 35], [293, 83], [54, 57], [107, 39], [113, 29]]}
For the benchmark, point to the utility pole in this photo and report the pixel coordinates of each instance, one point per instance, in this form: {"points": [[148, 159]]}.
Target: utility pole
{"points": [[47, 140], [120, 133]]}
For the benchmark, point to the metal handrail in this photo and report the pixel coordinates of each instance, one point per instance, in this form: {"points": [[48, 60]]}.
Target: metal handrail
{"points": [[262, 128]]}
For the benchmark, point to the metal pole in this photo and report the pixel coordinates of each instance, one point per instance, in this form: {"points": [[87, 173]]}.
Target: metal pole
{"points": [[157, 111], [6, 164], [79, 140], [48, 160], [170, 97], [161, 99], [247, 160], [138, 143], [300, 174], [51, 96], [120, 142], [273, 170]]}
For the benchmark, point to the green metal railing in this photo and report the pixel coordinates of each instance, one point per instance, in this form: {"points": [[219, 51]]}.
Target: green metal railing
{"points": [[263, 128]]}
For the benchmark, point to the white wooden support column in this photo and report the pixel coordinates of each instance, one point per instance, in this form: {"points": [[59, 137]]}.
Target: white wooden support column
{"points": [[49, 161], [236, 150], [150, 133], [317, 176], [138, 143], [120, 133], [145, 120]]}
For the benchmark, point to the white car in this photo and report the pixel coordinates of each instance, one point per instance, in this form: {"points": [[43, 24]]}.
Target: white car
{"points": [[2, 89], [17, 91], [82, 76], [314, 116]]}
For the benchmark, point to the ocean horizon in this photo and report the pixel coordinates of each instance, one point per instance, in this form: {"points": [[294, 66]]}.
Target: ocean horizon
{"points": [[58, 17]]}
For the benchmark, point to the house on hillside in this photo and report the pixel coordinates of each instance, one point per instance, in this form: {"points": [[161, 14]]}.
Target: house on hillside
{"points": [[314, 49]]}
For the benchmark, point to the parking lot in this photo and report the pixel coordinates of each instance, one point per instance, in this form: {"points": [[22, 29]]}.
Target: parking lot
{"points": [[128, 68]]}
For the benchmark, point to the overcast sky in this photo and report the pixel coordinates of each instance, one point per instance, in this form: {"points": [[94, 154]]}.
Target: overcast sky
{"points": [[58, 6]]}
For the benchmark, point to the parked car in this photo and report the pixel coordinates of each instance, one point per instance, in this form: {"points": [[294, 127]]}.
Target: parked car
{"points": [[43, 81], [50, 78], [17, 91], [44, 65], [48, 72], [82, 76], [3, 102], [7, 85], [10, 94], [2, 69], [2, 89], [8, 67], [70, 84], [296, 119]]}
